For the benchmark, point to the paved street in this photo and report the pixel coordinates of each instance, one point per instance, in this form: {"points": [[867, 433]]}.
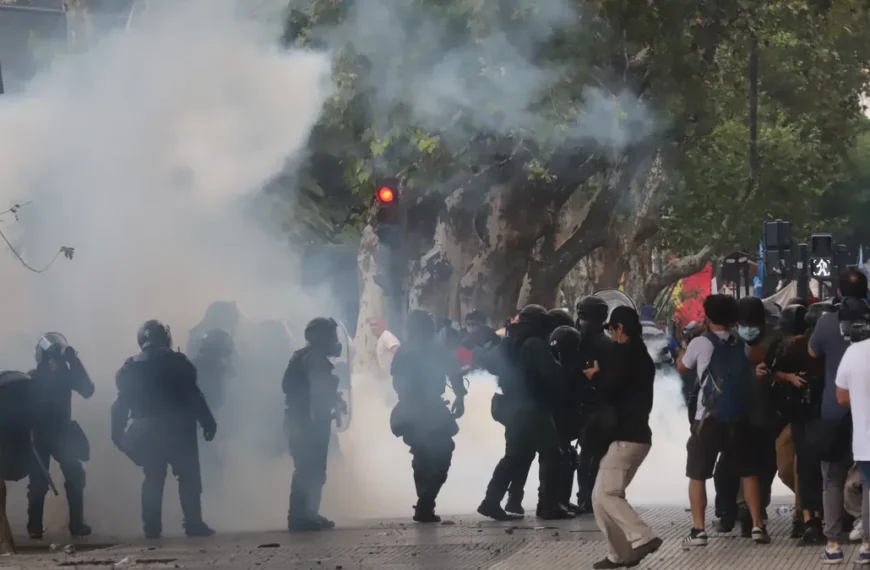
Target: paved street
{"points": [[460, 543]]}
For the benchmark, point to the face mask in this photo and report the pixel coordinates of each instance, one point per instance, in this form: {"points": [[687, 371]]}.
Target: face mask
{"points": [[748, 334]]}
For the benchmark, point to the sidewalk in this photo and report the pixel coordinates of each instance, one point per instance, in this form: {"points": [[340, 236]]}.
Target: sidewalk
{"points": [[460, 543]]}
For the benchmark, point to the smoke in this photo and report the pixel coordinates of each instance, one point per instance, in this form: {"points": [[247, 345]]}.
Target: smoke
{"points": [[146, 154]]}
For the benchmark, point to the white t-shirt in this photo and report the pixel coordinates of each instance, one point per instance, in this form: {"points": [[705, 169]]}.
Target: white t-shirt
{"points": [[853, 375], [698, 355], [384, 351]]}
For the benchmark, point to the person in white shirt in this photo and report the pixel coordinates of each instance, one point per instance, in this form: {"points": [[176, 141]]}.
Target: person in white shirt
{"points": [[386, 346], [853, 391]]}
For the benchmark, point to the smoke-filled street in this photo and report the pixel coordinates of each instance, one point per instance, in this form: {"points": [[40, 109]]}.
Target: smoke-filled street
{"points": [[459, 543], [483, 284]]}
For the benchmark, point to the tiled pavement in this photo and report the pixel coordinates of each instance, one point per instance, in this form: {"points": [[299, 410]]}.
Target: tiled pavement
{"points": [[462, 543]]}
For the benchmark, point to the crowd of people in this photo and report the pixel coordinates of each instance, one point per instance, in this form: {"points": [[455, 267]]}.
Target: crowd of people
{"points": [[768, 390]]}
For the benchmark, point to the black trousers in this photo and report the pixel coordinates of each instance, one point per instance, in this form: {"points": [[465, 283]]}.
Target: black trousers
{"points": [[527, 433], [184, 461], [48, 448], [809, 468], [310, 453], [726, 476], [431, 459], [588, 463]]}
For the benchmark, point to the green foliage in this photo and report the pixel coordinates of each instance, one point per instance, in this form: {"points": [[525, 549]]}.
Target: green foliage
{"points": [[687, 61]]}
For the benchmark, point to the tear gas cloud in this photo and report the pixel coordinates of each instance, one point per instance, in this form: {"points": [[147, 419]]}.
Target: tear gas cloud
{"points": [[146, 154]]}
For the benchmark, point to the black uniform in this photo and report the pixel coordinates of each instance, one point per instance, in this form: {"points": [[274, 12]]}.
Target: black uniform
{"points": [[214, 366], [157, 390], [421, 369], [592, 312], [529, 379], [312, 400], [570, 409], [58, 374]]}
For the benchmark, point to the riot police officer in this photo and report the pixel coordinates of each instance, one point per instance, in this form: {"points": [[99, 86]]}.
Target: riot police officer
{"points": [[214, 365], [421, 369], [312, 403], [59, 372], [157, 390], [570, 407], [529, 378], [592, 313]]}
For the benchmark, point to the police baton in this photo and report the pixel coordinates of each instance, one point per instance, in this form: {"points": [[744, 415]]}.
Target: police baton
{"points": [[44, 470]]}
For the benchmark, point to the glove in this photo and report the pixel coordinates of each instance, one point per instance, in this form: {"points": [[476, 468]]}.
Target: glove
{"points": [[208, 434], [69, 354]]}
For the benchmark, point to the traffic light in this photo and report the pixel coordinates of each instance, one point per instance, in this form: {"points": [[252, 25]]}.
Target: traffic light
{"points": [[389, 256], [822, 256], [777, 248]]}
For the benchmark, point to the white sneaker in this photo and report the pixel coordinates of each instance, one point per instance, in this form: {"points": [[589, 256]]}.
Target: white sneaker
{"points": [[857, 531]]}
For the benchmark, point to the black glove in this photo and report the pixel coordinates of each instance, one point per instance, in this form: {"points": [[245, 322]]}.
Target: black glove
{"points": [[209, 432], [69, 354]]}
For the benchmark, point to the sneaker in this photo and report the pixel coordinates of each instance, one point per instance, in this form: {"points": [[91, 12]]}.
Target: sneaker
{"points": [[759, 535], [647, 548], [856, 532], [863, 555], [797, 528], [697, 537], [833, 555], [725, 525], [813, 535]]}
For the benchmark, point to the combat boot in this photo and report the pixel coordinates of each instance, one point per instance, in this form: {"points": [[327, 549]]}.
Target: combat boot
{"points": [[493, 510], [424, 512], [191, 508], [514, 505], [75, 496], [35, 507]]}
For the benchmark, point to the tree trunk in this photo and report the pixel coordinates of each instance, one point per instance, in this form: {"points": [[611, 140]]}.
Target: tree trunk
{"points": [[372, 303], [7, 542], [79, 27]]}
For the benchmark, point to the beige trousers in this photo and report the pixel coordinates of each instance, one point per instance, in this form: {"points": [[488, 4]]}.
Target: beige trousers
{"points": [[621, 525]]}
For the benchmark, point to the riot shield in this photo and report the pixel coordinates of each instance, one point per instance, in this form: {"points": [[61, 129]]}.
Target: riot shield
{"points": [[615, 298], [343, 371], [15, 446]]}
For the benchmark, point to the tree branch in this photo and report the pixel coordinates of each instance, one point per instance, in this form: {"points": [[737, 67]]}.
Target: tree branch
{"points": [[676, 269]]}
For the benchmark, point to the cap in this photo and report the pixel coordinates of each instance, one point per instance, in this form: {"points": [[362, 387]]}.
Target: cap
{"points": [[623, 315]]}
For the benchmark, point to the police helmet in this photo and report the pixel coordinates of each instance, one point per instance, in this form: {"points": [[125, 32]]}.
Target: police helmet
{"points": [[560, 318], [593, 309], [218, 340], [420, 325], [792, 320], [321, 331], [565, 339], [154, 334], [815, 312], [50, 345]]}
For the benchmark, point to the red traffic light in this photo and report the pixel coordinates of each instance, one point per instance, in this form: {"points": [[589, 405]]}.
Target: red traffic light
{"points": [[386, 195]]}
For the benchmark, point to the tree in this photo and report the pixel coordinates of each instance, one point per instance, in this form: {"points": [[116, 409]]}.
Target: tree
{"points": [[498, 116]]}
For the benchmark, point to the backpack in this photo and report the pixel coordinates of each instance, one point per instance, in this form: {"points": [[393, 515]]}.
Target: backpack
{"points": [[724, 389]]}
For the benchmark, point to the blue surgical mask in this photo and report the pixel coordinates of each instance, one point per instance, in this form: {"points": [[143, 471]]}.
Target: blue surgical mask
{"points": [[748, 334]]}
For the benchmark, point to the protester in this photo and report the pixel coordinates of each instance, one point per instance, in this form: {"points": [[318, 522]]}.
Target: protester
{"points": [[628, 400]]}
